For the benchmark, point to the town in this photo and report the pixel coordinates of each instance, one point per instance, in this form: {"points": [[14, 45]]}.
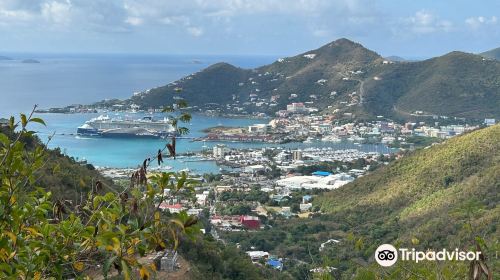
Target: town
{"points": [[280, 181]]}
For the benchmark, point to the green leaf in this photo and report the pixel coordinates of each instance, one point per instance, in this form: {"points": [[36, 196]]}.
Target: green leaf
{"points": [[24, 120], [126, 270], [12, 126], [168, 109], [107, 266], [182, 104], [38, 120], [183, 130], [185, 117], [4, 139]]}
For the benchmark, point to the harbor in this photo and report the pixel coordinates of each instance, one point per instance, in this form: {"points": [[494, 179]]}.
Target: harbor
{"points": [[119, 153]]}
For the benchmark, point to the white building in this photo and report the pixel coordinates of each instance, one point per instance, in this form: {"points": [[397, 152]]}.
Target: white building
{"points": [[258, 128], [296, 108], [489, 122], [201, 199], [220, 150], [305, 207], [315, 182], [297, 155]]}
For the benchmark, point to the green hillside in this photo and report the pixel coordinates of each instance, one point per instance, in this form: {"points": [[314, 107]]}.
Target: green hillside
{"points": [[342, 77], [493, 54], [62, 175], [440, 197], [457, 84]]}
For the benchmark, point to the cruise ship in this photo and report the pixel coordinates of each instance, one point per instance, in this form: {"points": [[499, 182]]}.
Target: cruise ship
{"points": [[146, 127]]}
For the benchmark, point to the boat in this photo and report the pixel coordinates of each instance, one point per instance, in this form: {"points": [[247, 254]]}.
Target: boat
{"points": [[87, 130], [331, 138], [355, 138], [161, 168], [309, 140], [146, 127]]}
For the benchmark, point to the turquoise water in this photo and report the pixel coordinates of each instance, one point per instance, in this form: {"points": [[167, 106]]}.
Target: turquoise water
{"points": [[122, 153], [118, 152]]}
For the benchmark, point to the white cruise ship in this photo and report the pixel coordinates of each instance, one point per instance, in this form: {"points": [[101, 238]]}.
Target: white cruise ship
{"points": [[116, 127]]}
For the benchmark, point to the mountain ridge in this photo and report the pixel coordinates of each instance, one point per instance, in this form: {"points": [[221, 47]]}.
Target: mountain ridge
{"points": [[342, 77]]}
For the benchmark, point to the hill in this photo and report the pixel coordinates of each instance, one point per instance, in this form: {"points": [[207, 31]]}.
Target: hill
{"points": [[456, 84], [30, 60], [62, 175], [341, 77], [492, 54], [396, 58], [440, 197]]}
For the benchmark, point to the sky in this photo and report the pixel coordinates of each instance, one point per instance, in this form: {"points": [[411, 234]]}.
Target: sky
{"points": [[408, 28]]}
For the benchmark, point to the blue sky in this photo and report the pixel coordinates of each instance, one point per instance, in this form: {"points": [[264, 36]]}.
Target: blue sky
{"points": [[418, 28]]}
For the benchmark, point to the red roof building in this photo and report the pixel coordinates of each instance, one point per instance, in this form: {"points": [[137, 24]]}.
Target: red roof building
{"points": [[250, 222]]}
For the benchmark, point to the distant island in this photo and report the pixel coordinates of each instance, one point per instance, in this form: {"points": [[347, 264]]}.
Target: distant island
{"points": [[5, 57], [30, 60]]}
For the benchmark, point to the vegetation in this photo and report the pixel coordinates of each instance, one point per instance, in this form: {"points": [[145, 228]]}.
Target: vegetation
{"points": [[213, 260], [62, 175], [44, 238]]}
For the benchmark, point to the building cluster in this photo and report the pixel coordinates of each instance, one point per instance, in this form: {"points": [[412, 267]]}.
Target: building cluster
{"points": [[297, 124], [257, 160]]}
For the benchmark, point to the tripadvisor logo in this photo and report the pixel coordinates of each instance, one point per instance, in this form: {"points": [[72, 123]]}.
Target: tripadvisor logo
{"points": [[387, 255]]}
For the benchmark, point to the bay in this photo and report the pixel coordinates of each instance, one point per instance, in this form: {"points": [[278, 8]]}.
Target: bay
{"points": [[63, 79]]}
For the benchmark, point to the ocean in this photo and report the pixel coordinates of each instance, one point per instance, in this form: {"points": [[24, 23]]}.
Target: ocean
{"points": [[60, 80]]}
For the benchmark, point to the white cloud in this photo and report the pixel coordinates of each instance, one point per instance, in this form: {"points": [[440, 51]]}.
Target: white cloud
{"points": [[216, 15], [15, 15], [57, 12], [477, 22], [424, 22]]}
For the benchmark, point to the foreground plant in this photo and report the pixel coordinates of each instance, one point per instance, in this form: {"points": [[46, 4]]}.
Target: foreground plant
{"points": [[42, 239]]}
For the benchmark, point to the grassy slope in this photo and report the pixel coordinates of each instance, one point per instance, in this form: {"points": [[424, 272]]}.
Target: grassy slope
{"points": [[429, 195]]}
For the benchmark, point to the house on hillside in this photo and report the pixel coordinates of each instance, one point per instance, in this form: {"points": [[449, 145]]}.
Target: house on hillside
{"points": [[250, 222]]}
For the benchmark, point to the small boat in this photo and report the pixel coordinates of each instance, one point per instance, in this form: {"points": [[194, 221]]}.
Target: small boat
{"points": [[331, 138], [309, 140], [161, 168]]}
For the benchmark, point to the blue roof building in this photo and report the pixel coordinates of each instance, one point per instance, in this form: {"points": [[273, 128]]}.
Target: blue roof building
{"points": [[321, 173], [276, 264]]}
